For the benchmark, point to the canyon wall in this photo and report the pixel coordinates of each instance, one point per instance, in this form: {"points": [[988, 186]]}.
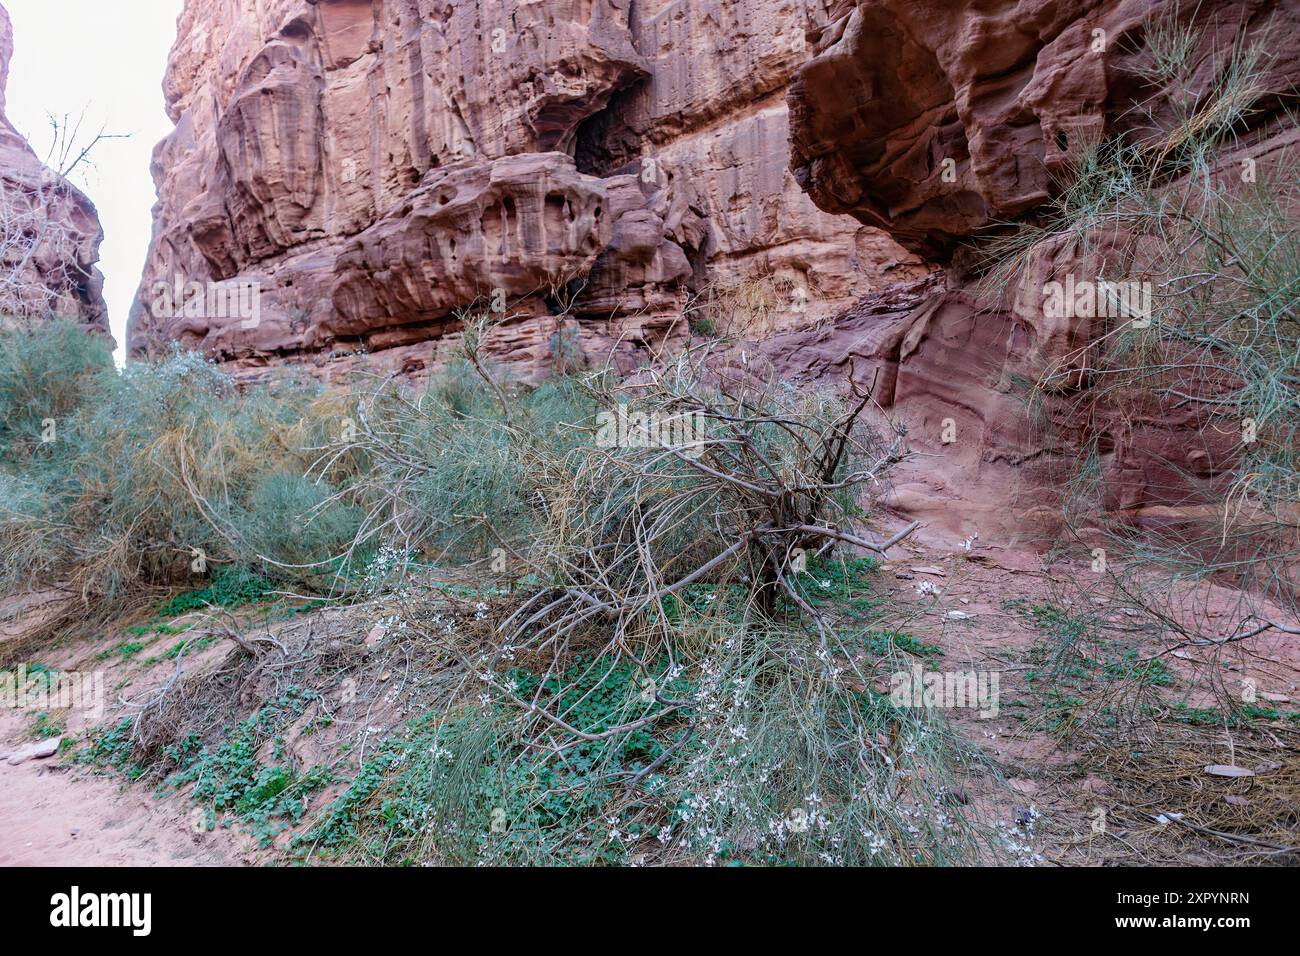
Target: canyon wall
{"points": [[597, 170], [49, 231], [939, 121], [591, 168]]}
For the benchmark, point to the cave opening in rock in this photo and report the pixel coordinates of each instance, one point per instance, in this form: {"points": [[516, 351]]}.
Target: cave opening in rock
{"points": [[605, 142]]}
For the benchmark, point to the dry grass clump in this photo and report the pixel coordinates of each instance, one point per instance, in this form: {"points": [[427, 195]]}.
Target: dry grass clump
{"points": [[1170, 794], [654, 486], [753, 308]]}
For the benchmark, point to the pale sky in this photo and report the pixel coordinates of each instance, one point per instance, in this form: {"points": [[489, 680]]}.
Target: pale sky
{"points": [[106, 57]]}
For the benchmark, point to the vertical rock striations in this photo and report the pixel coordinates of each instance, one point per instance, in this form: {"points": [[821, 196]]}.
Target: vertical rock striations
{"points": [[377, 166]]}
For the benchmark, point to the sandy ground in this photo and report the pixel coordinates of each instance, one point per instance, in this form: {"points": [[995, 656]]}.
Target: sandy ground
{"points": [[53, 815]]}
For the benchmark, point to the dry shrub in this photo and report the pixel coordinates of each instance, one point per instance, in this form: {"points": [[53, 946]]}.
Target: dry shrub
{"points": [[650, 678], [1207, 387], [753, 308]]}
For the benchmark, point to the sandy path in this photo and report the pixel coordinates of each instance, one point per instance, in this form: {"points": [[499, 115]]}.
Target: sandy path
{"points": [[53, 815]]}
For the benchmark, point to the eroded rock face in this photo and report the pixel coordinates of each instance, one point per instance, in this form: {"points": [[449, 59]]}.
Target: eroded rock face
{"points": [[379, 167], [49, 231], [376, 167], [988, 460], [936, 120]]}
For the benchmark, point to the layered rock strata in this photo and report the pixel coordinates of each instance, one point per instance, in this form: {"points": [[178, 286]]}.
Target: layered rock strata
{"points": [[377, 168]]}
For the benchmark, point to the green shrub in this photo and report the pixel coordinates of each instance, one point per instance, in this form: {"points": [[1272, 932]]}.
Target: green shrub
{"points": [[296, 521], [231, 587], [160, 472], [46, 374]]}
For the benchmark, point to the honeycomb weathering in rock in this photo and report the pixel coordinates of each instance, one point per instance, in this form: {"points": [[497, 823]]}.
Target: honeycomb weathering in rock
{"points": [[375, 166]]}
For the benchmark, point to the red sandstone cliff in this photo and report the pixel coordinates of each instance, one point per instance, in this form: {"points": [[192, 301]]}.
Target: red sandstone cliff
{"points": [[937, 120], [49, 231], [375, 165]]}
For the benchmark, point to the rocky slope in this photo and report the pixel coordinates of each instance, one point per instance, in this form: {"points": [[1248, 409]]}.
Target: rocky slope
{"points": [[49, 231], [375, 166]]}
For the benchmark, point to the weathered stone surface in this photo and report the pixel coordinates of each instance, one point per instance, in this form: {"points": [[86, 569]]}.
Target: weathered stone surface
{"points": [[315, 141], [38, 750], [49, 231], [379, 167], [935, 119], [516, 223], [1005, 90]]}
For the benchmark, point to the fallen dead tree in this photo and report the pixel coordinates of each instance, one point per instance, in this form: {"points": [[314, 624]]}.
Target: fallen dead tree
{"points": [[686, 478]]}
